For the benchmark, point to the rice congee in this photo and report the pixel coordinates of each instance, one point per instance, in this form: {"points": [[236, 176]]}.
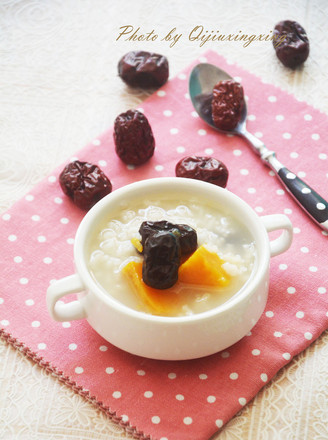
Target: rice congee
{"points": [[111, 249]]}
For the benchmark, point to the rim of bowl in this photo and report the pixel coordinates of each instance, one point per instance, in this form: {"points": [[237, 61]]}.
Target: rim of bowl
{"points": [[159, 185]]}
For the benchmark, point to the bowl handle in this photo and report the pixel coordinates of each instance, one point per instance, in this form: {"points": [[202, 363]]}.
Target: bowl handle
{"points": [[275, 222], [69, 311]]}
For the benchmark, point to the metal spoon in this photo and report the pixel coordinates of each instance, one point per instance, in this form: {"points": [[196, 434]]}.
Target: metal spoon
{"points": [[201, 82]]}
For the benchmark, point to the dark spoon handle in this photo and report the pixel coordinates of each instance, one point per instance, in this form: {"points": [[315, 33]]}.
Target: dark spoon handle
{"points": [[306, 197]]}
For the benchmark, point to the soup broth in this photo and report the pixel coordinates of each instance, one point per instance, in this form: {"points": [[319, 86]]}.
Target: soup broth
{"points": [[110, 250]]}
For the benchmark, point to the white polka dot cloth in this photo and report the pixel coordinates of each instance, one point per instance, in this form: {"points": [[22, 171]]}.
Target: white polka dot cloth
{"points": [[191, 399]]}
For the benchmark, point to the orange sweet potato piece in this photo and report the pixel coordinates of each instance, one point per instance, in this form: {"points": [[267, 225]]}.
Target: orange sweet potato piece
{"points": [[203, 267], [160, 302], [137, 244]]}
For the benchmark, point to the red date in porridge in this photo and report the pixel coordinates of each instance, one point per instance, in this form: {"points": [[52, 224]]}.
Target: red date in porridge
{"points": [[213, 270]]}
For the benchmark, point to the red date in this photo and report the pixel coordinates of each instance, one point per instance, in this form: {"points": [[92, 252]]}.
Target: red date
{"points": [[143, 69], [227, 104], [84, 183], [290, 43], [161, 260], [133, 137], [205, 168]]}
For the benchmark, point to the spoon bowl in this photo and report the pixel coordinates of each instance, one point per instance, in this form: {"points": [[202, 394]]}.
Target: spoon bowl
{"points": [[202, 80]]}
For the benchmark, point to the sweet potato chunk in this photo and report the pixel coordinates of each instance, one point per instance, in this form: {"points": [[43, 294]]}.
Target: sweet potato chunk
{"points": [[203, 267], [159, 301]]}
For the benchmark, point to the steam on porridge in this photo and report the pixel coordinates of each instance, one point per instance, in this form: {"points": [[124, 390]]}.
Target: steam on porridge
{"points": [[225, 253]]}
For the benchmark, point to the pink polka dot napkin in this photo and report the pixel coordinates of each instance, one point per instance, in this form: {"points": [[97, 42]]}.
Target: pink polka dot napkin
{"points": [[191, 399]]}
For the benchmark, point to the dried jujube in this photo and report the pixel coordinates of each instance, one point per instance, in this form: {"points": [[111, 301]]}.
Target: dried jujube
{"points": [[161, 260], [133, 137], [143, 69], [186, 235], [290, 43], [227, 104], [203, 168], [84, 183]]}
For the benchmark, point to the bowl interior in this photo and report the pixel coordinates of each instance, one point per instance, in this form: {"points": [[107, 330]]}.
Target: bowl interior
{"points": [[184, 190]]}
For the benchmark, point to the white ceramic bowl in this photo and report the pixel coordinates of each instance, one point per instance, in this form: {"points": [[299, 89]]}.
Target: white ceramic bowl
{"points": [[170, 338]]}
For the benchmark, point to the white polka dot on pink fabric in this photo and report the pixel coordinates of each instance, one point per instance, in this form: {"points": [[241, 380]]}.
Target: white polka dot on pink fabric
{"points": [[156, 420], [110, 370], [23, 280], [219, 423], [233, 376], [286, 356], [79, 370], [242, 401], [187, 420], [225, 354]]}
